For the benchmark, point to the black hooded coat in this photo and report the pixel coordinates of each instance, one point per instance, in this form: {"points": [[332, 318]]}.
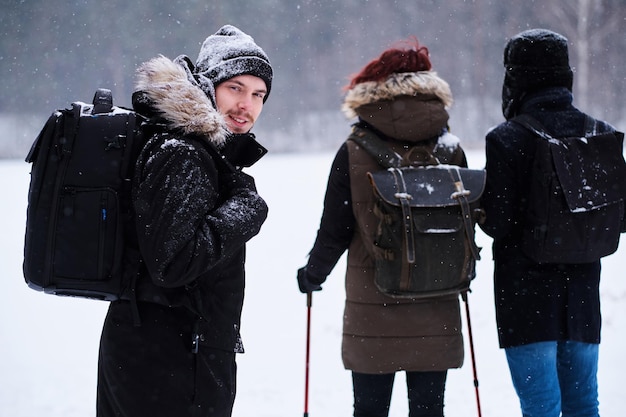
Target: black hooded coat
{"points": [[168, 348], [535, 302]]}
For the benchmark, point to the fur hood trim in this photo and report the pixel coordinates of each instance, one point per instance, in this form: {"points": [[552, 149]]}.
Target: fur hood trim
{"points": [[179, 102], [402, 84]]}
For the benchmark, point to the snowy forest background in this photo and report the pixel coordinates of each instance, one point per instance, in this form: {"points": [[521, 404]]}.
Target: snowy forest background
{"points": [[53, 52]]}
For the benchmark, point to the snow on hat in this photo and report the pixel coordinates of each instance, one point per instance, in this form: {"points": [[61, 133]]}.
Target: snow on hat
{"points": [[537, 58], [229, 53]]}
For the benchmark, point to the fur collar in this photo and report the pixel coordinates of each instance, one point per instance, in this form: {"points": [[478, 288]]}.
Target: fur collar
{"points": [[178, 101], [403, 84]]}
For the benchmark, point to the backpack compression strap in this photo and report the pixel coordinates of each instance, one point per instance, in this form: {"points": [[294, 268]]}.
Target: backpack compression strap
{"points": [[460, 195], [404, 198]]}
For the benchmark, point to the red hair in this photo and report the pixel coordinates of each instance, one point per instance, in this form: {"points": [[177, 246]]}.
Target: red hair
{"points": [[407, 56]]}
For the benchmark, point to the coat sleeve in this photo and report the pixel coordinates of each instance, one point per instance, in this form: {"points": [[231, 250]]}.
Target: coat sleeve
{"points": [[337, 223], [186, 224], [502, 199]]}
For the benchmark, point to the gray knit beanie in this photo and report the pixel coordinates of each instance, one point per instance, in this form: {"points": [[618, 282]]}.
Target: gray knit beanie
{"points": [[229, 53]]}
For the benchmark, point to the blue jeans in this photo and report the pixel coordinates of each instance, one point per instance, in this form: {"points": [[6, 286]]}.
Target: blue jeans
{"points": [[372, 393], [551, 378]]}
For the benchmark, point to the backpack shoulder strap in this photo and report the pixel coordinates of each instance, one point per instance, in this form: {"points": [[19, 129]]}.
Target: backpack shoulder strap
{"points": [[376, 147], [591, 126], [533, 125], [537, 128], [386, 157]]}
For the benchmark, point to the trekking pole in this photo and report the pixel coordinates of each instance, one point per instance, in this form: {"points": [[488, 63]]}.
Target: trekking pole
{"points": [[309, 302], [471, 342]]}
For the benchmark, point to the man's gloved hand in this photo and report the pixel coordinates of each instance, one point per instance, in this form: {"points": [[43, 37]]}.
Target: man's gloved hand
{"points": [[242, 212], [308, 283]]}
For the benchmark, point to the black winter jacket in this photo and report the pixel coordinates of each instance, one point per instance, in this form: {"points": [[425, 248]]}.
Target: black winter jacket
{"points": [[193, 214], [534, 302]]}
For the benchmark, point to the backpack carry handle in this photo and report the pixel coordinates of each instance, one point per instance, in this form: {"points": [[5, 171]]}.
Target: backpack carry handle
{"points": [[418, 156], [102, 101]]}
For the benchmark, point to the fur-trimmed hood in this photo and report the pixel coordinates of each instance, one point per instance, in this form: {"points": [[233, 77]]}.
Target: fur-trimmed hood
{"points": [[407, 106], [168, 90], [402, 84]]}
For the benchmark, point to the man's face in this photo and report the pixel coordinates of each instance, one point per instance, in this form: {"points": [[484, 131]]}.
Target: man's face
{"points": [[240, 100]]}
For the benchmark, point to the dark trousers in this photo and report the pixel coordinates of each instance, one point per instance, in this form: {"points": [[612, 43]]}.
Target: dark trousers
{"points": [[372, 393], [150, 370]]}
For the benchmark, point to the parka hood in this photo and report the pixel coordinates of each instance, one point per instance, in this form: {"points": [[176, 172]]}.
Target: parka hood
{"points": [[402, 84], [405, 106], [166, 91]]}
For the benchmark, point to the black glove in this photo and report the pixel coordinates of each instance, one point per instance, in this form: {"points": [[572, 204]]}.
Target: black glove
{"points": [[242, 211], [308, 283]]}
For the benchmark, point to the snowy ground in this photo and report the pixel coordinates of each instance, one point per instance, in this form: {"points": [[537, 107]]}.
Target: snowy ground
{"points": [[49, 344]]}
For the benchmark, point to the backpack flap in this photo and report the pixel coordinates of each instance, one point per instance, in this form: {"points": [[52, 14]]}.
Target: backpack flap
{"points": [[591, 170], [435, 186], [425, 245], [430, 186], [576, 195]]}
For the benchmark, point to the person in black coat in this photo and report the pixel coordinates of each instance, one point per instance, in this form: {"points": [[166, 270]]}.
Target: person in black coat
{"points": [[168, 348], [548, 315]]}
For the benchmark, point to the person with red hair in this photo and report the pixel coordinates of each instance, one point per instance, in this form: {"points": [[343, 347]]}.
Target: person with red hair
{"points": [[400, 99]]}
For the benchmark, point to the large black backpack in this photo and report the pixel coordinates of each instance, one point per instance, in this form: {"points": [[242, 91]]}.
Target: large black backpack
{"points": [[576, 197], [424, 245], [79, 209]]}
